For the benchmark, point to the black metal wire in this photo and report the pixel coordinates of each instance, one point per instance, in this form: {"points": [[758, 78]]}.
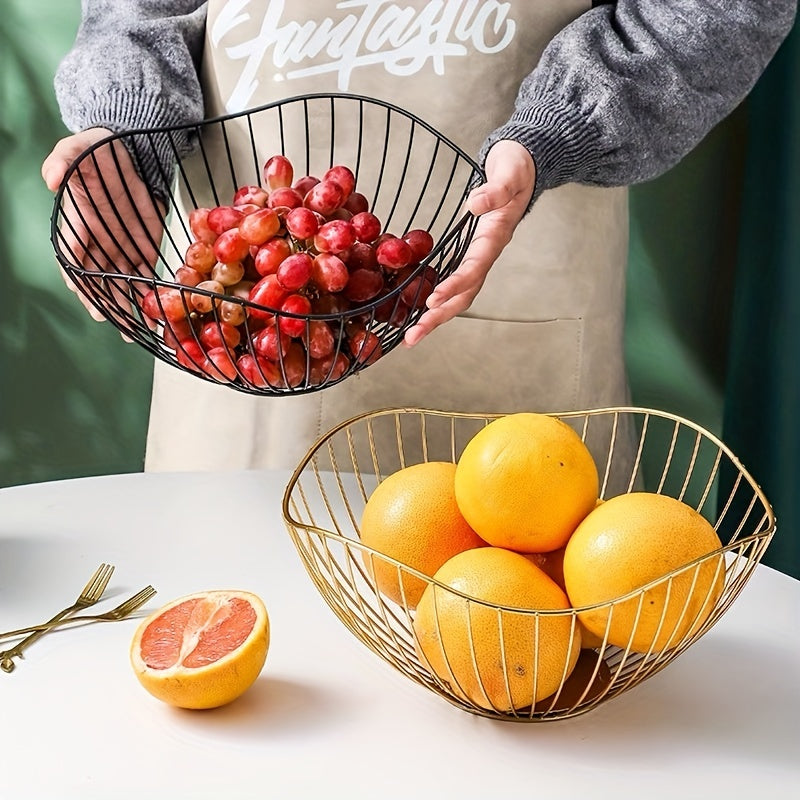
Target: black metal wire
{"points": [[435, 176]]}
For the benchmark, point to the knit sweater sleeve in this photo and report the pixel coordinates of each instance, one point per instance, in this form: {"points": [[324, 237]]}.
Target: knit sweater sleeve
{"points": [[135, 65], [625, 91]]}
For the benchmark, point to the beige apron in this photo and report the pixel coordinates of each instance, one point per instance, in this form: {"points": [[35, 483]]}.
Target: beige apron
{"points": [[546, 331]]}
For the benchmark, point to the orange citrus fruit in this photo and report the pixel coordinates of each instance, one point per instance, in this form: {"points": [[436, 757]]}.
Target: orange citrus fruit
{"points": [[496, 659], [588, 680], [552, 564], [525, 481], [412, 517], [202, 650], [629, 541]]}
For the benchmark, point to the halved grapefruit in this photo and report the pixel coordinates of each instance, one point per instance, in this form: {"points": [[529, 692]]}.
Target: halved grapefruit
{"points": [[202, 650]]}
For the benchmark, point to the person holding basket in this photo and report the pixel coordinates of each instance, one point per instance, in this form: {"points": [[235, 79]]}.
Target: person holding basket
{"points": [[564, 104]]}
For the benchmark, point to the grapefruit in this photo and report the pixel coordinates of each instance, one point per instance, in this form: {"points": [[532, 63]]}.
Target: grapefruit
{"points": [[412, 517], [588, 680], [552, 564], [525, 481], [202, 650], [493, 658], [629, 541]]}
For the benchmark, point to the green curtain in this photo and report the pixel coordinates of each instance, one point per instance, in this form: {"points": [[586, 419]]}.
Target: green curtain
{"points": [[762, 393], [73, 396], [713, 243]]}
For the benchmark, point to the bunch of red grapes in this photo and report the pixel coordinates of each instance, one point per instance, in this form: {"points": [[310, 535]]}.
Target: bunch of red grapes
{"points": [[305, 254]]}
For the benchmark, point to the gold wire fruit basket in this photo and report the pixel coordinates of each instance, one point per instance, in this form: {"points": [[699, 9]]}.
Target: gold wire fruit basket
{"points": [[327, 493]]}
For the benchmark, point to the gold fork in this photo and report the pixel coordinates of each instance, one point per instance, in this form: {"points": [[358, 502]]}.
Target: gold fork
{"points": [[124, 609], [89, 595]]}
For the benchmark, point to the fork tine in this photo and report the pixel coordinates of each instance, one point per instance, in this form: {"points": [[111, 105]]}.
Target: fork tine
{"points": [[93, 590], [132, 603], [96, 575]]}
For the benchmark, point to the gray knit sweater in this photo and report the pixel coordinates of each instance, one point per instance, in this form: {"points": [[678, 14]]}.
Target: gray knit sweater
{"points": [[618, 97]]}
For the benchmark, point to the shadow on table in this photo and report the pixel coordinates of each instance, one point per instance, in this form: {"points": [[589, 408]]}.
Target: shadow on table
{"points": [[715, 700], [272, 705]]}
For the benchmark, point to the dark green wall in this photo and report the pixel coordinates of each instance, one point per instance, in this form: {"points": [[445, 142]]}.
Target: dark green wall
{"points": [[73, 396]]}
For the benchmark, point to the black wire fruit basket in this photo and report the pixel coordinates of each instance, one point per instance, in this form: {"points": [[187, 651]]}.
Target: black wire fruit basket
{"points": [[298, 258]]}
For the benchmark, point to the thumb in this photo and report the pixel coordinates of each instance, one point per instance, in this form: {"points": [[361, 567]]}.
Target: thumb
{"points": [[488, 197], [510, 172], [55, 166]]}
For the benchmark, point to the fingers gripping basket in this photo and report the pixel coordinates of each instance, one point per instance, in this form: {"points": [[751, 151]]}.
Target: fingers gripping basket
{"points": [[124, 245], [327, 493]]}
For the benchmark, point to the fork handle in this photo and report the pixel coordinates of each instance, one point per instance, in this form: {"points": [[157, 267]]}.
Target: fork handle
{"points": [[47, 626], [7, 656]]}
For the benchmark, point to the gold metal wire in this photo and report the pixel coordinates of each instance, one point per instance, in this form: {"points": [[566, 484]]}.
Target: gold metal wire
{"points": [[326, 495]]}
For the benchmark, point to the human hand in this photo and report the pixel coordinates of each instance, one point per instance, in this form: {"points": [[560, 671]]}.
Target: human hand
{"points": [[110, 221], [500, 203]]}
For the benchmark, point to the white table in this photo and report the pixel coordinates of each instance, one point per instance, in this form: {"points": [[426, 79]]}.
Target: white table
{"points": [[327, 719]]}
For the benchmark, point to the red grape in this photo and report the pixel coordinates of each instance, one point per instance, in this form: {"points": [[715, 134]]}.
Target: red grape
{"points": [[150, 305], [261, 225], [284, 196], [302, 185], [203, 302], [293, 365], [186, 276], [259, 372], [267, 292], [344, 177], [335, 236], [228, 273], [174, 305], [319, 339], [363, 285], [356, 203], [324, 197], [220, 365], [254, 195], [393, 253], [177, 330], [329, 273], [190, 355], [419, 289], [223, 218], [328, 303], [219, 334], [361, 256], [420, 242], [294, 304], [271, 343], [278, 172], [367, 226], [200, 256], [365, 347], [198, 223], [270, 255], [302, 223], [230, 247], [294, 272], [327, 369], [393, 310]]}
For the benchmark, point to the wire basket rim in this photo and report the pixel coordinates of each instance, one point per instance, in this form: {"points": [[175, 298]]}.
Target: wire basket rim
{"points": [[600, 410], [234, 115], [720, 552]]}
